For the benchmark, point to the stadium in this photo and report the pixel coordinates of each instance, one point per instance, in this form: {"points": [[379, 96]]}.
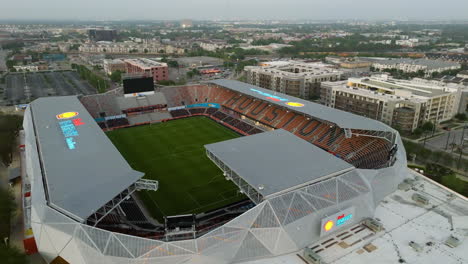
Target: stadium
{"points": [[222, 172]]}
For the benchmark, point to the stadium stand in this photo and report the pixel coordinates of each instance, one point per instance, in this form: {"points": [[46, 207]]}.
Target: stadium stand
{"points": [[101, 105], [179, 113], [195, 111], [362, 151], [244, 114]]}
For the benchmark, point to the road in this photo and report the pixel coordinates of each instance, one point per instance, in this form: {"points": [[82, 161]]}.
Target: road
{"points": [[444, 141]]}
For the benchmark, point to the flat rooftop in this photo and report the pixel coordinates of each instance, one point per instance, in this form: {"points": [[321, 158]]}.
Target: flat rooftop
{"points": [[83, 175], [420, 91], [304, 69], [430, 64], [403, 221], [145, 63], [277, 161]]}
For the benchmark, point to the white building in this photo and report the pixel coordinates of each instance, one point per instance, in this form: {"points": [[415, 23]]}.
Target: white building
{"points": [[129, 47], [399, 103], [410, 65], [214, 45], [26, 68]]}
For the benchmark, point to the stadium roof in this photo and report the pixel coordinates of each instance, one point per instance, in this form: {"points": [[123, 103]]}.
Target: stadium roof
{"points": [[341, 118], [78, 181], [277, 161]]}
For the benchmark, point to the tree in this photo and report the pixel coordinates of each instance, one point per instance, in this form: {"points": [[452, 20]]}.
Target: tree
{"points": [[461, 116], [427, 126], [10, 64], [418, 132], [12, 255], [145, 50], [116, 76], [173, 64], [9, 129]]}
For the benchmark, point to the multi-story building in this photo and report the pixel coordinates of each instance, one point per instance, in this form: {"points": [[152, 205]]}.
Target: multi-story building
{"points": [[293, 78], [400, 103], [130, 47], [111, 66], [411, 43], [214, 45], [410, 65], [96, 34], [159, 71]]}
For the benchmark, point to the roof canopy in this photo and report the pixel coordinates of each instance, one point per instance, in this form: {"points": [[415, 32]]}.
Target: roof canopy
{"points": [[341, 118], [277, 161], [82, 168]]}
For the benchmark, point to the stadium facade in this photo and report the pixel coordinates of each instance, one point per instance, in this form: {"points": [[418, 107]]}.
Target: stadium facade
{"points": [[74, 170]]}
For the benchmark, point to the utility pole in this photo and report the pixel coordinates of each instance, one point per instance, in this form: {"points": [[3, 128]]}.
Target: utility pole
{"points": [[425, 137], [461, 145], [448, 139]]}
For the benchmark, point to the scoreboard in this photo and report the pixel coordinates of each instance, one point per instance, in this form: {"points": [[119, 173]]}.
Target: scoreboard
{"points": [[138, 85]]}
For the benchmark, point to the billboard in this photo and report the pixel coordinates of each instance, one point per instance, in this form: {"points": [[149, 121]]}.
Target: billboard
{"points": [[138, 85], [336, 221], [212, 105]]}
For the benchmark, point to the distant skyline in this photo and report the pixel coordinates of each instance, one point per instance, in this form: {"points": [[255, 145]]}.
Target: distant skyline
{"points": [[234, 9]]}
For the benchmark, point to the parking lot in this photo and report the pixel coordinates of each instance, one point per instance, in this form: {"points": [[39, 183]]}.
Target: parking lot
{"points": [[21, 88]]}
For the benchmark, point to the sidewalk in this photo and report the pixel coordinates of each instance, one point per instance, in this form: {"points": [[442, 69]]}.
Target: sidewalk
{"points": [[16, 228]]}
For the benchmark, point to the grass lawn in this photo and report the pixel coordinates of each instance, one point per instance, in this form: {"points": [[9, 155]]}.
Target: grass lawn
{"points": [[173, 154]]}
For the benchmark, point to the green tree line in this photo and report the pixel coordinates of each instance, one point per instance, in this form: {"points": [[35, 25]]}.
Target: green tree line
{"points": [[95, 80], [9, 129]]}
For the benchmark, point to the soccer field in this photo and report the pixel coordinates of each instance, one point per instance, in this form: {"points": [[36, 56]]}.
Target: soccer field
{"points": [[173, 154]]}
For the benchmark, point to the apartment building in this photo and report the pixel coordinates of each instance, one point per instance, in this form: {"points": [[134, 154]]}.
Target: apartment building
{"points": [[400, 103], [293, 78], [159, 71], [213, 45], [410, 65], [111, 66], [129, 47]]}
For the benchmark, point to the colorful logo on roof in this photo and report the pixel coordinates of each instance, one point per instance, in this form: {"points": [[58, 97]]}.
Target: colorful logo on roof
{"points": [[295, 104], [335, 221], [66, 115], [342, 219], [270, 96], [276, 98], [328, 225], [68, 128]]}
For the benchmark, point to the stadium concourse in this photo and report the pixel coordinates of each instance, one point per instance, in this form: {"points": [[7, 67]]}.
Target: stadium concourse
{"points": [[310, 172]]}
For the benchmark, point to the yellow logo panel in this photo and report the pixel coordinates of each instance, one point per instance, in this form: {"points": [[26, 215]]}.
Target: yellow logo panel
{"points": [[67, 115]]}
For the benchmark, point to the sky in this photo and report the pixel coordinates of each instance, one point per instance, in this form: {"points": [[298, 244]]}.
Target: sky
{"points": [[234, 9]]}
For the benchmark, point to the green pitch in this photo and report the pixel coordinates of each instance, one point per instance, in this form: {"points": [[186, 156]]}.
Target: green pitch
{"points": [[173, 154]]}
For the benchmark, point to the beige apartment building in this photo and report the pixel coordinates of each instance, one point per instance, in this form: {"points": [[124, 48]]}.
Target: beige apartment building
{"points": [[293, 78], [402, 104]]}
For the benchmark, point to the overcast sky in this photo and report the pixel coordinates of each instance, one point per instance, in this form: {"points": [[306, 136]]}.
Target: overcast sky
{"points": [[233, 9]]}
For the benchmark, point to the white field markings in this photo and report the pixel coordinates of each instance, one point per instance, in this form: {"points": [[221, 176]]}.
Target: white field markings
{"points": [[222, 195], [215, 178], [193, 199], [208, 205], [154, 202]]}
